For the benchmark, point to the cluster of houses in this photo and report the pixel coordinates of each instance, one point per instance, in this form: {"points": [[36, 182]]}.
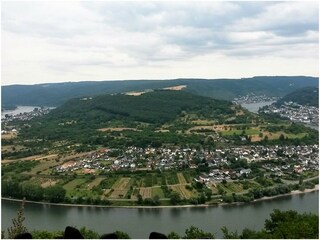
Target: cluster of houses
{"points": [[296, 112], [290, 159], [252, 98], [25, 116]]}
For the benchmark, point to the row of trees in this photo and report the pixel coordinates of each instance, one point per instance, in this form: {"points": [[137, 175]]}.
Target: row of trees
{"points": [[33, 192]]}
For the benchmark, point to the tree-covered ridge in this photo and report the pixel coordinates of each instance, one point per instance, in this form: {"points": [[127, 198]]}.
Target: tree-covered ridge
{"points": [[82, 117], [304, 96], [152, 107], [54, 94]]}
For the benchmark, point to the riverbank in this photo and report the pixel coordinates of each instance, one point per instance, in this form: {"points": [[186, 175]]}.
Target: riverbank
{"points": [[295, 192]]}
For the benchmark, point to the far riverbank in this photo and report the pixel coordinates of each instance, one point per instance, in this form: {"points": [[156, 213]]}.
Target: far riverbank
{"points": [[295, 192]]}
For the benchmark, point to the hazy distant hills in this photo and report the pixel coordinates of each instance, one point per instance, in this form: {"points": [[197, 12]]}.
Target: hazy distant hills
{"points": [[54, 94], [304, 96]]}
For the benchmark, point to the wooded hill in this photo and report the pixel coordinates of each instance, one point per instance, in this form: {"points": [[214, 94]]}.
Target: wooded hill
{"points": [[54, 94], [304, 96], [83, 119], [154, 107]]}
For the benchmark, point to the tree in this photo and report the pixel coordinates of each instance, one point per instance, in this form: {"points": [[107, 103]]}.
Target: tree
{"points": [[229, 234], [196, 233], [291, 224], [156, 200], [17, 223], [122, 235], [300, 180], [54, 194], [173, 235], [89, 234], [175, 198], [140, 199], [281, 138]]}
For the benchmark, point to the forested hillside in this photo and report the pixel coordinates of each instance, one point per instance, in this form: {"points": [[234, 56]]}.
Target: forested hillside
{"points": [[55, 94], [304, 96], [153, 107]]}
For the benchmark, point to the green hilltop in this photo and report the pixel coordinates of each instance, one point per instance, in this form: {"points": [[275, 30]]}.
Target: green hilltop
{"points": [[304, 96], [151, 107]]}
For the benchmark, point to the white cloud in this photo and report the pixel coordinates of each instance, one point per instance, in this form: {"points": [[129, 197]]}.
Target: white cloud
{"points": [[73, 41]]}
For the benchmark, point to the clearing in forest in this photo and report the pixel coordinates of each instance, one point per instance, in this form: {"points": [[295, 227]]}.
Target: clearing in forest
{"points": [[176, 88]]}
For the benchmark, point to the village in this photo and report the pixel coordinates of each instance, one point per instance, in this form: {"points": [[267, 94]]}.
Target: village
{"points": [[220, 164], [25, 116], [295, 112], [252, 98]]}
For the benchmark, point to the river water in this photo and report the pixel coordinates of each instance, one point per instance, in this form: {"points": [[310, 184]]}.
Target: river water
{"points": [[18, 110], [254, 107], [138, 223]]}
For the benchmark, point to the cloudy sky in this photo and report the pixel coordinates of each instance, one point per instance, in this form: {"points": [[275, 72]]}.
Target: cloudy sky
{"points": [[110, 40]]}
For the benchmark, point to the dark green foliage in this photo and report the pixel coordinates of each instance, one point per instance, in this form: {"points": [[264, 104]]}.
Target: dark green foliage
{"points": [[153, 107], [174, 235], [43, 234], [18, 167], [175, 198], [122, 235], [78, 120], [304, 96], [282, 224], [89, 234], [54, 194], [196, 233]]}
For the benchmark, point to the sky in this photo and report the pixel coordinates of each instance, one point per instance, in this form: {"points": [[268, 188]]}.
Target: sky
{"points": [[62, 41]]}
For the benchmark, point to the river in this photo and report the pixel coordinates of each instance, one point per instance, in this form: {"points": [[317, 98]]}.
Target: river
{"points": [[254, 107], [138, 223]]}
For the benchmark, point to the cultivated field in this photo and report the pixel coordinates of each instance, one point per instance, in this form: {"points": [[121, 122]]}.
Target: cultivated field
{"points": [[157, 191], [74, 183], [181, 189], [120, 188], [48, 183], [43, 166], [181, 178], [94, 183], [146, 192], [9, 135]]}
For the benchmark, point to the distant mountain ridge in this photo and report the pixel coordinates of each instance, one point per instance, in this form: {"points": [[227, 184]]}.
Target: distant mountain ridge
{"points": [[54, 94], [304, 96]]}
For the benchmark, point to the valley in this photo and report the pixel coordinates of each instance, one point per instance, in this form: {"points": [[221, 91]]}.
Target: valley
{"points": [[162, 147]]}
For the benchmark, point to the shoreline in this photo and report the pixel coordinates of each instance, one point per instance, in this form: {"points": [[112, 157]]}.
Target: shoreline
{"points": [[295, 192]]}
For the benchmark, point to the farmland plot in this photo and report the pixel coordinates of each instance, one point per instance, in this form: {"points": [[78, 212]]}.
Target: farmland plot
{"points": [[94, 183], [146, 192], [181, 178], [76, 183], [181, 189], [120, 188]]}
